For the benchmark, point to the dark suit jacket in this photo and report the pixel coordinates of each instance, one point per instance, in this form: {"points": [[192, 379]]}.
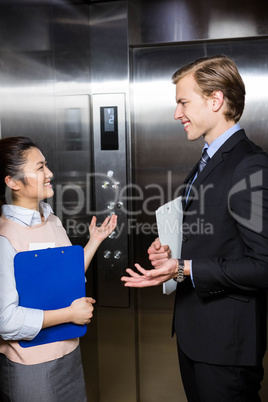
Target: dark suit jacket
{"points": [[225, 234]]}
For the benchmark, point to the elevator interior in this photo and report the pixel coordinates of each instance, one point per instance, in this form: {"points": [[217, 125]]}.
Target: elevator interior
{"points": [[73, 71]]}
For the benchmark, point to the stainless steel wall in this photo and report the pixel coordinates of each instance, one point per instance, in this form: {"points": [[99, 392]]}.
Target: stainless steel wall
{"points": [[163, 36], [45, 94], [55, 56], [169, 21]]}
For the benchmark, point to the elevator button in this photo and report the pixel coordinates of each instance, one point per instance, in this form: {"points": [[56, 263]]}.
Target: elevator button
{"points": [[110, 173], [119, 204], [111, 205], [105, 184], [117, 254], [112, 235], [115, 184], [107, 254]]}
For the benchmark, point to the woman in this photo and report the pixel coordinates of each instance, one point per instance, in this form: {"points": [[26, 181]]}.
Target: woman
{"points": [[51, 372]]}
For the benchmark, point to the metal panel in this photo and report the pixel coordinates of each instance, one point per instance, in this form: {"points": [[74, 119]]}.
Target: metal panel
{"points": [[163, 157], [110, 172], [109, 47], [53, 48], [73, 205], [158, 21], [44, 53], [31, 22], [118, 376]]}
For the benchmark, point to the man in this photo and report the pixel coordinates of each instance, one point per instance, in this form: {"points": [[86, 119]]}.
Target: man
{"points": [[220, 307]]}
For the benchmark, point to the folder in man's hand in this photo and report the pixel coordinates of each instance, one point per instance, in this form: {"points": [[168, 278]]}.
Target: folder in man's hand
{"points": [[51, 279], [169, 224]]}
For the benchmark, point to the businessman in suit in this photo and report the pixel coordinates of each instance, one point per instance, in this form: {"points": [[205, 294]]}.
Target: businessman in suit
{"points": [[220, 305]]}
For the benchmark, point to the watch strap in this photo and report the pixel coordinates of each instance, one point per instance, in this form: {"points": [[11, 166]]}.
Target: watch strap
{"points": [[180, 275]]}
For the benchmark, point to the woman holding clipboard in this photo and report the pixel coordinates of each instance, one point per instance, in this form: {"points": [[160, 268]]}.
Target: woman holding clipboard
{"points": [[51, 372]]}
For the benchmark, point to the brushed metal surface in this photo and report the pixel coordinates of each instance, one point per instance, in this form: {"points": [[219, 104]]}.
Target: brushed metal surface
{"points": [[54, 56], [162, 158], [158, 21]]}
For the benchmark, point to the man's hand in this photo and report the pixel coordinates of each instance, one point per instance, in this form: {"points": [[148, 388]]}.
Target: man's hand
{"points": [[152, 277], [158, 254]]}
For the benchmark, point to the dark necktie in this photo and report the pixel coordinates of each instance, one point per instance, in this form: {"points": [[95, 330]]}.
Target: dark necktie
{"points": [[203, 161]]}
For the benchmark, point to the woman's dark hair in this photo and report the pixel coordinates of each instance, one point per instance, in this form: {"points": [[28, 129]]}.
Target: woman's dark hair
{"points": [[13, 154]]}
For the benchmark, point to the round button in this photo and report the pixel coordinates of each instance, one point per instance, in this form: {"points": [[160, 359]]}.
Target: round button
{"points": [[112, 235], [116, 184], [107, 254], [117, 254], [111, 205], [105, 184]]}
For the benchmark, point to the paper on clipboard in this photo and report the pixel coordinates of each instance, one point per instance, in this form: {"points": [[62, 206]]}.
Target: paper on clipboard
{"points": [[169, 221]]}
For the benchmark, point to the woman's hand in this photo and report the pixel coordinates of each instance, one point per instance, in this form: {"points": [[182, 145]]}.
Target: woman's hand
{"points": [[79, 312], [82, 310], [99, 233]]}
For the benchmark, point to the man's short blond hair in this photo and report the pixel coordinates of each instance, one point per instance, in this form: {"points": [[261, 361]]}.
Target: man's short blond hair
{"points": [[218, 73]]}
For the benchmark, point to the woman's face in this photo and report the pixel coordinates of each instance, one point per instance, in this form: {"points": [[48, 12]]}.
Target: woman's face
{"points": [[37, 177]]}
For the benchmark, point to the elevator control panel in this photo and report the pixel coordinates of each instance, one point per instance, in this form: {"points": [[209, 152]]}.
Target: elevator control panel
{"points": [[110, 195]]}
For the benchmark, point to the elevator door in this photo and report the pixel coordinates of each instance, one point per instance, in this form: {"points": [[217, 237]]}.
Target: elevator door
{"points": [[162, 158]]}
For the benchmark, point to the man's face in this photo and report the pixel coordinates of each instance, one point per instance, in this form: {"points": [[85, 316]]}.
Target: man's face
{"points": [[194, 112]]}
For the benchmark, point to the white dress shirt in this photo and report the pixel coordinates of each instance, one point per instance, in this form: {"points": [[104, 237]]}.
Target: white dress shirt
{"points": [[17, 322]]}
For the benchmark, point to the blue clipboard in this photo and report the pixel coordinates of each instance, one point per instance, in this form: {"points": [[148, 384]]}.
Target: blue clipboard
{"points": [[51, 279]]}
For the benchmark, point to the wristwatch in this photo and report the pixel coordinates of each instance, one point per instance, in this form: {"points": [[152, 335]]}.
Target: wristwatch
{"points": [[180, 275]]}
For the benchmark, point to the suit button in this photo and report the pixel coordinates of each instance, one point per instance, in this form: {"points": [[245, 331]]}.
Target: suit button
{"points": [[184, 239]]}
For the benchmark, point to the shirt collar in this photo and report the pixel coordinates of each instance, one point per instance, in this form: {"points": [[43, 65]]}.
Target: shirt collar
{"points": [[28, 217], [219, 141]]}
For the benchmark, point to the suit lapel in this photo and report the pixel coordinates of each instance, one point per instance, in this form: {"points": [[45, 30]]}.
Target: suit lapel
{"points": [[212, 164]]}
